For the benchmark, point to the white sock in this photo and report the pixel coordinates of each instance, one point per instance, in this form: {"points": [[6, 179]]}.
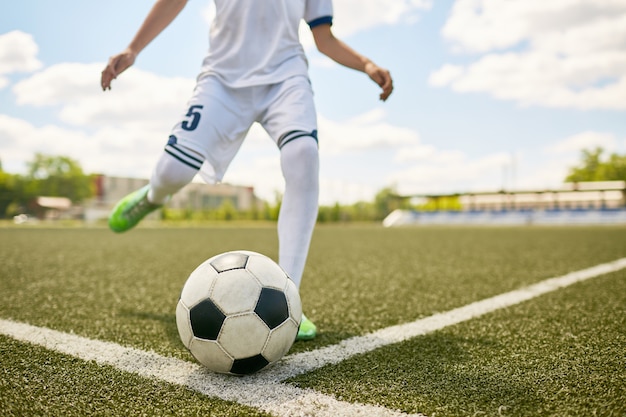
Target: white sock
{"points": [[298, 213], [169, 176]]}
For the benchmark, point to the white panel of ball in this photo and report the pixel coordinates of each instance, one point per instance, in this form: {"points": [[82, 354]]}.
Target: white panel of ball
{"points": [[210, 354], [276, 347], [199, 284], [183, 324], [235, 302], [293, 298], [244, 335], [269, 274]]}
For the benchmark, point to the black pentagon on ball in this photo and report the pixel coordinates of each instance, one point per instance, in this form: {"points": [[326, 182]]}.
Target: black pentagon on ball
{"points": [[228, 261], [206, 320], [249, 365], [272, 307]]}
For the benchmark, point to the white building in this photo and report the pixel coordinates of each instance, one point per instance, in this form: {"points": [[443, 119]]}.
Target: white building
{"points": [[194, 196]]}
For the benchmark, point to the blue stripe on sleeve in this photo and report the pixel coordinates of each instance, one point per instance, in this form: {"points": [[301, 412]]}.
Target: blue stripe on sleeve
{"points": [[320, 21]]}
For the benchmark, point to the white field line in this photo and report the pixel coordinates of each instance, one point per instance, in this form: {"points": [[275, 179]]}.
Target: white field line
{"points": [[274, 397], [304, 362], [265, 390]]}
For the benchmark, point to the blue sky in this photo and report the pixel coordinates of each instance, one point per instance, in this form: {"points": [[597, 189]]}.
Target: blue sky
{"points": [[489, 93]]}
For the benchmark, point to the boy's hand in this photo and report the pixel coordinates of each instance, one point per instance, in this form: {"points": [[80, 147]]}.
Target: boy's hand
{"points": [[117, 64], [382, 77]]}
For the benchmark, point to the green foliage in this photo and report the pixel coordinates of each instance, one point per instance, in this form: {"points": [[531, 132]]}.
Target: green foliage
{"points": [[226, 211], [7, 187], [385, 201], [59, 176], [388, 200], [15, 192], [593, 167], [51, 176]]}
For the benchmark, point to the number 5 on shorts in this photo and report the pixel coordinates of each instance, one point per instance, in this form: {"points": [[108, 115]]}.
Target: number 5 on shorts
{"points": [[194, 116]]}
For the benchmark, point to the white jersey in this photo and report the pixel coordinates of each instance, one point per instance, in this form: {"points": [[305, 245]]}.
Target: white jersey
{"points": [[255, 42]]}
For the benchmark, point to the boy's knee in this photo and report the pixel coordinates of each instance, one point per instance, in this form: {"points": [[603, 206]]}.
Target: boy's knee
{"points": [[300, 160], [304, 149], [169, 176]]}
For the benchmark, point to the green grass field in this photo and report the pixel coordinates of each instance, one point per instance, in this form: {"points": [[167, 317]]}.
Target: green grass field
{"points": [[560, 354]]}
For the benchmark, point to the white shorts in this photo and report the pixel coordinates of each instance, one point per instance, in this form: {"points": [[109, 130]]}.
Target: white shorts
{"points": [[218, 118]]}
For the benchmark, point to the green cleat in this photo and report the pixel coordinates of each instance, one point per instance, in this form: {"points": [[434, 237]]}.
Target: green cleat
{"points": [[130, 210], [307, 329]]}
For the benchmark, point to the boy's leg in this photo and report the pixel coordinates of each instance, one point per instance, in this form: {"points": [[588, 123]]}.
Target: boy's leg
{"points": [[290, 119], [169, 176], [298, 212]]}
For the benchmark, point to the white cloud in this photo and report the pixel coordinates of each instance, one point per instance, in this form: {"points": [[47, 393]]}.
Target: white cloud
{"points": [[550, 165], [452, 171], [119, 132], [486, 25], [114, 151], [262, 171], [415, 153], [565, 53], [368, 131], [447, 74], [353, 16], [18, 53], [58, 84], [336, 190], [138, 99], [547, 174], [584, 140]]}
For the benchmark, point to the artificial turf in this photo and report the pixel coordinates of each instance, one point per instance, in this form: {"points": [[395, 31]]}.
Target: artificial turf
{"points": [[561, 354], [124, 288], [37, 382]]}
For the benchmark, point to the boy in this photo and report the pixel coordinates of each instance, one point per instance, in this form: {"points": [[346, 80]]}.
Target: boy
{"points": [[255, 71]]}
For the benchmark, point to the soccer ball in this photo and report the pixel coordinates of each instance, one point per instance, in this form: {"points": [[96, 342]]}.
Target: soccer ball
{"points": [[238, 312]]}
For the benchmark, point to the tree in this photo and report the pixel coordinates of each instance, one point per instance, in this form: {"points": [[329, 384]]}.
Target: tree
{"points": [[7, 191], [615, 168], [59, 176], [388, 200], [593, 168]]}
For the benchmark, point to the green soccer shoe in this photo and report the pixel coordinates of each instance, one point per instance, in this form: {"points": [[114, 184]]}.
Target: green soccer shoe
{"points": [[130, 210], [307, 329]]}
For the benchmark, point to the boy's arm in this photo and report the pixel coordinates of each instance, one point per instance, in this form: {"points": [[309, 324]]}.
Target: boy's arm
{"points": [[161, 15], [341, 53]]}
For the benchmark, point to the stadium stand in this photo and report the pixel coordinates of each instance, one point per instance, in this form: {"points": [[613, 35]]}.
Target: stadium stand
{"points": [[602, 202]]}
